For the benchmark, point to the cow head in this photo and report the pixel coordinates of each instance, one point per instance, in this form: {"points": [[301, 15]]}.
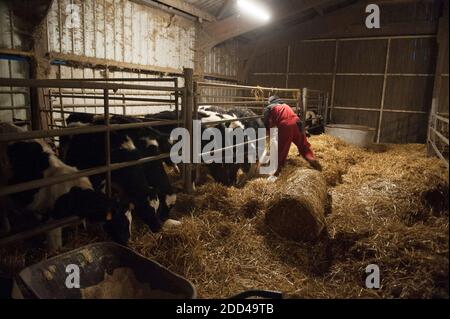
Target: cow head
{"points": [[225, 174], [168, 201], [146, 207], [118, 223]]}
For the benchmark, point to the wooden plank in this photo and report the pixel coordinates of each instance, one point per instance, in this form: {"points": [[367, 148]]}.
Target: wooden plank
{"points": [[414, 92], [400, 127], [442, 137], [220, 77], [188, 8], [438, 153], [26, 54], [97, 62]]}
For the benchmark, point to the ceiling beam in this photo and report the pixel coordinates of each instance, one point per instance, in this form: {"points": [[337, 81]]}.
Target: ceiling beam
{"points": [[179, 7], [188, 8], [223, 30]]}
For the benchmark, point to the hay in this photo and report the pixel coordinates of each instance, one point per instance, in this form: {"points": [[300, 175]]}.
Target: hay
{"points": [[298, 210], [384, 212], [335, 156]]}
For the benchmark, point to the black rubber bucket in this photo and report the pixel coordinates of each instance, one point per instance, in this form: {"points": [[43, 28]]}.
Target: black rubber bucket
{"points": [[47, 279]]}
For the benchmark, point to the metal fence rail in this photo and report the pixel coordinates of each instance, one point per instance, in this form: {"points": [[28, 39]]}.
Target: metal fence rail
{"points": [[106, 87], [63, 102], [438, 141]]}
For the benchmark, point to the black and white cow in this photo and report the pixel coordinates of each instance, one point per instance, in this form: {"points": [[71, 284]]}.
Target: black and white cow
{"points": [[227, 173], [150, 142], [314, 124], [34, 159], [224, 173], [146, 186]]}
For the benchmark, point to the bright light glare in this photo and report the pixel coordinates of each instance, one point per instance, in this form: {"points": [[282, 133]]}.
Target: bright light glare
{"points": [[253, 9]]}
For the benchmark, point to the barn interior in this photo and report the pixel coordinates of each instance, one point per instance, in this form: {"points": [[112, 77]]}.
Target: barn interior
{"points": [[368, 80]]}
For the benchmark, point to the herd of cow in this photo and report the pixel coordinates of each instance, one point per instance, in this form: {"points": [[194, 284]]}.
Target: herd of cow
{"points": [[143, 191]]}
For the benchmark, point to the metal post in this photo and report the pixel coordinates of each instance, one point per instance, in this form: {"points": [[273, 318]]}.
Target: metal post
{"points": [[383, 93], [299, 101], [188, 108], [177, 103], [195, 92], [305, 102], [124, 105], [288, 62], [52, 120], [319, 104], [333, 87], [108, 141], [195, 116]]}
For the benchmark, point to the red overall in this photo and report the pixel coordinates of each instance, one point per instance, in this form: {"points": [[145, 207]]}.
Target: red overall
{"points": [[284, 118]]}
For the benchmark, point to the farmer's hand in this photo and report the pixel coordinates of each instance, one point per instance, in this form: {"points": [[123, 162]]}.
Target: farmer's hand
{"points": [[316, 165]]}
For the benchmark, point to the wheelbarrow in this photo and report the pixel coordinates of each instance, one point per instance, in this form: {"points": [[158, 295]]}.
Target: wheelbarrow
{"points": [[103, 270]]}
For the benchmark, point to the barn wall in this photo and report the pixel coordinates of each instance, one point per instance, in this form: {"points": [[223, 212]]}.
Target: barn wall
{"points": [[108, 38], [123, 34], [14, 102], [220, 65], [440, 95], [137, 35], [438, 142], [222, 61], [385, 82], [122, 31], [13, 35]]}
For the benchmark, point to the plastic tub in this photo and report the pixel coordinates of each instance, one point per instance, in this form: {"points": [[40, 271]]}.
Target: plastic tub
{"points": [[362, 136], [47, 279]]}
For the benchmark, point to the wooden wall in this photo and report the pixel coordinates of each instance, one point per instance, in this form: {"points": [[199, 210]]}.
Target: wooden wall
{"points": [[385, 82]]}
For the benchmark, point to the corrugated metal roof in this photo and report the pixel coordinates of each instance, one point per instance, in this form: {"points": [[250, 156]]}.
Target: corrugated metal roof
{"points": [[210, 6]]}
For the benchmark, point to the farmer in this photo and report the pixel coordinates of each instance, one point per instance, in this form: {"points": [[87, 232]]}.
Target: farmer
{"points": [[280, 115]]}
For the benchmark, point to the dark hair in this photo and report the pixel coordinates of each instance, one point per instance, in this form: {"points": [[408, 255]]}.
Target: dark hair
{"points": [[273, 99]]}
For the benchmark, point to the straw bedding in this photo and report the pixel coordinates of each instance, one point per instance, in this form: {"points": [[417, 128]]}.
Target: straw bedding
{"points": [[389, 207]]}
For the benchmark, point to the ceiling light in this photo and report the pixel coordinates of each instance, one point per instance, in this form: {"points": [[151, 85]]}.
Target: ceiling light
{"points": [[253, 9]]}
